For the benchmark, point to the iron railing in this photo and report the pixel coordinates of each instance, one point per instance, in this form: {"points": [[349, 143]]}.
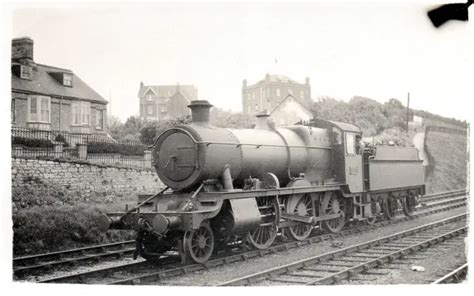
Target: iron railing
{"points": [[99, 148]]}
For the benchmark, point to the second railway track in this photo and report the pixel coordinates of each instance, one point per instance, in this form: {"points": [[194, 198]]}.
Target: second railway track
{"points": [[333, 267]]}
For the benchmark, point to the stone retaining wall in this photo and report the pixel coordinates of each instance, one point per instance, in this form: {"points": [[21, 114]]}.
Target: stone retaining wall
{"points": [[86, 181]]}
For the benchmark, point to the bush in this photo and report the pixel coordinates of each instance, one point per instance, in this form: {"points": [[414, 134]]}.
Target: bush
{"points": [[153, 129], [60, 138], [28, 142], [124, 149], [46, 229]]}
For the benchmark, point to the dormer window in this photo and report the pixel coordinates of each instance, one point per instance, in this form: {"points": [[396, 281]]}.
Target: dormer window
{"points": [[25, 72], [67, 79]]}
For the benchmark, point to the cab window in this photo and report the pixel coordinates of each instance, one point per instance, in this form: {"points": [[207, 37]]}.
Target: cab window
{"points": [[350, 143], [337, 136]]}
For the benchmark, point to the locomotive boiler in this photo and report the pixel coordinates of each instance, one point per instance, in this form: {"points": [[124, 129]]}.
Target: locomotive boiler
{"points": [[245, 186], [187, 155]]}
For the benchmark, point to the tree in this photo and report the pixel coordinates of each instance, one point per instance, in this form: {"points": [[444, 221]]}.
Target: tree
{"points": [[115, 127], [151, 130], [228, 119]]}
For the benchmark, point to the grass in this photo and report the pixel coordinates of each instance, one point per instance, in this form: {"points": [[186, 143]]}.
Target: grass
{"points": [[448, 161], [50, 228], [53, 219]]}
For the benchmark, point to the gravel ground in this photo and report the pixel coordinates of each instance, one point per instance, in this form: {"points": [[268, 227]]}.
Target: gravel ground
{"points": [[437, 261], [239, 269]]}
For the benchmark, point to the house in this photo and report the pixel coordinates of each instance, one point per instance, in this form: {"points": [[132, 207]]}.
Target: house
{"points": [[52, 98], [290, 111], [266, 94], [162, 102]]}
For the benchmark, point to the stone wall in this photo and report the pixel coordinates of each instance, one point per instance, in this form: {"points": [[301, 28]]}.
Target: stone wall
{"points": [[86, 181]]}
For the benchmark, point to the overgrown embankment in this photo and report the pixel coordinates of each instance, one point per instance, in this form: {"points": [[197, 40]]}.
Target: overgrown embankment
{"points": [[448, 160], [55, 204], [52, 228]]}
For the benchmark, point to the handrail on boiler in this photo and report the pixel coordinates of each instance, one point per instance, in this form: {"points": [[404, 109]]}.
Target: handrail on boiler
{"points": [[245, 144]]}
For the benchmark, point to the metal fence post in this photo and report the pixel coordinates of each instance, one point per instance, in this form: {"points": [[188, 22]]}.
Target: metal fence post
{"points": [[147, 158], [82, 150], [58, 149]]}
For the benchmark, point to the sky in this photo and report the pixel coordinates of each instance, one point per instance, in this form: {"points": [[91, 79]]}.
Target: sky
{"points": [[379, 50]]}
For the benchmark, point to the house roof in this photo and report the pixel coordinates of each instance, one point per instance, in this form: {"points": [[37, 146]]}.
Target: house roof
{"points": [[44, 82], [188, 91], [288, 97], [281, 78]]}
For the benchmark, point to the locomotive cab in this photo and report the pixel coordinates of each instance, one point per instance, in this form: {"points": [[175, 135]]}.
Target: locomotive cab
{"points": [[347, 153]]}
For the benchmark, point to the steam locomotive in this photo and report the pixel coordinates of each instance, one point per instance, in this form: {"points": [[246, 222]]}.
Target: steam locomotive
{"points": [[248, 186]]}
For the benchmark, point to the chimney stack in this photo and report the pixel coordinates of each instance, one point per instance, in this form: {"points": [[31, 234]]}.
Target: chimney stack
{"points": [[22, 49], [306, 81], [262, 121], [200, 111]]}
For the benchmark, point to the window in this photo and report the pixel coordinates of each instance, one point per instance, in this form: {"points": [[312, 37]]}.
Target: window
{"points": [[81, 113], [85, 112], [350, 143], [337, 136], [13, 111], [67, 79], [25, 72], [150, 109], [164, 109], [149, 97], [302, 94], [39, 109], [99, 119], [278, 92], [256, 107]]}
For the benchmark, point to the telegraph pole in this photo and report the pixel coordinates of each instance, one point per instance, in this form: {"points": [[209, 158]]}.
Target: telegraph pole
{"points": [[408, 110]]}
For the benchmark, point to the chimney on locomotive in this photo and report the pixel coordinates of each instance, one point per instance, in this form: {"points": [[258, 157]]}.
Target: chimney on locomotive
{"points": [[200, 111], [262, 121]]}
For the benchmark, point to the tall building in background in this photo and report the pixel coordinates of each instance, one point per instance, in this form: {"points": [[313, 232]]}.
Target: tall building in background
{"points": [[162, 102], [265, 95]]}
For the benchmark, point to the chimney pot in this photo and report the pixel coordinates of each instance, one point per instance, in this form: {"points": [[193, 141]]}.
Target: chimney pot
{"points": [[262, 121], [200, 111]]}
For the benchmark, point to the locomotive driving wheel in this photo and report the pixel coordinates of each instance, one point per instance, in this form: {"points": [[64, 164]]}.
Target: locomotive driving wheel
{"points": [[301, 206], [199, 244], [264, 235], [375, 208], [334, 204], [390, 206], [408, 205]]}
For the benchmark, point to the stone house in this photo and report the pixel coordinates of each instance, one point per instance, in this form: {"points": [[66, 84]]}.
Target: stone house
{"points": [[266, 94], [162, 102], [52, 98], [290, 111]]}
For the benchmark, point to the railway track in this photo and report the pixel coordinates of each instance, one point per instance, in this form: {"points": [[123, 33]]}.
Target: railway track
{"points": [[457, 275], [26, 265], [333, 267], [142, 272]]}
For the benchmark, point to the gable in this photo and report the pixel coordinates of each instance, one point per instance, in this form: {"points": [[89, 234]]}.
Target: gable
{"points": [[290, 111], [150, 91]]}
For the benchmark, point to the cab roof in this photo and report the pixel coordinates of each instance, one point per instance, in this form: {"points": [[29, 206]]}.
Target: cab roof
{"points": [[344, 126]]}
